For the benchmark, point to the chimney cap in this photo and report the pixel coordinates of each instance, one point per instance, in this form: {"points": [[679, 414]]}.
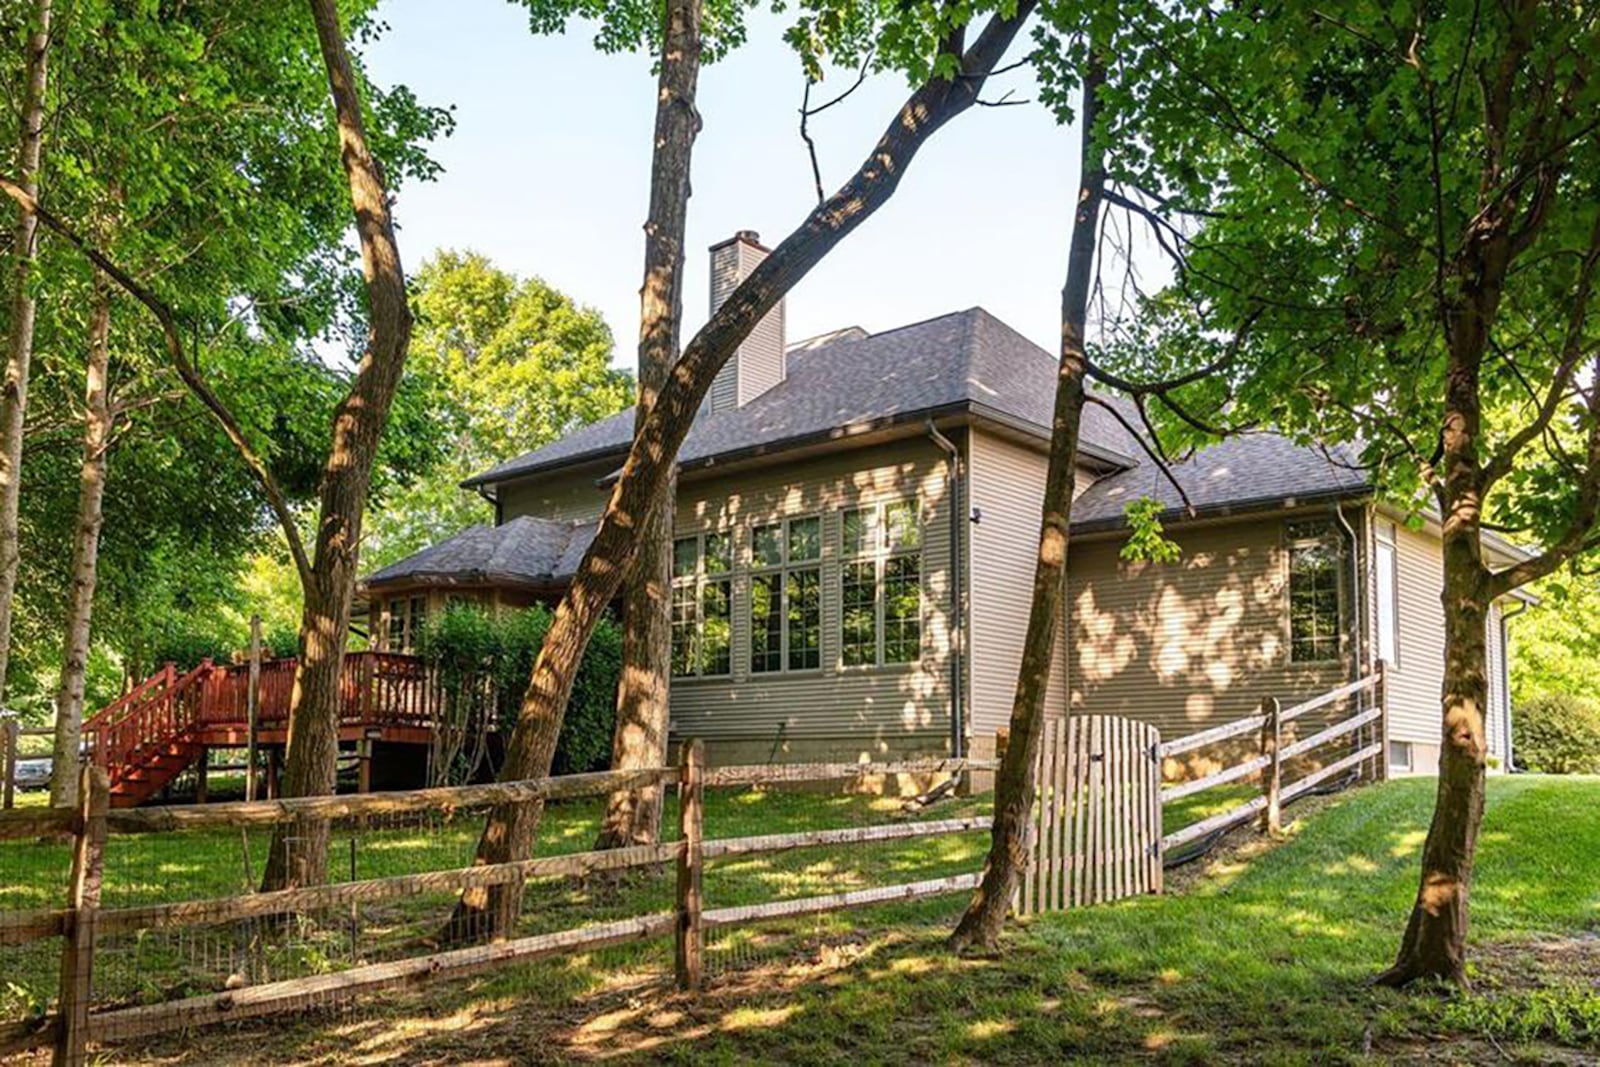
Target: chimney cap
{"points": [[749, 237]]}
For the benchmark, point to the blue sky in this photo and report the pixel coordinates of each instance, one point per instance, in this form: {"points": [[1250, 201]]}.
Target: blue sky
{"points": [[547, 173]]}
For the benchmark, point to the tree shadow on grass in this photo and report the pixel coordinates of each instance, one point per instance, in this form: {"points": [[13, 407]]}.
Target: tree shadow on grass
{"points": [[1265, 957]]}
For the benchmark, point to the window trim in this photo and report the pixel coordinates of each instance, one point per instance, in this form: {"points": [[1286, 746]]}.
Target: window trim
{"points": [[879, 553], [782, 570], [1386, 536], [1290, 543], [406, 646], [698, 582]]}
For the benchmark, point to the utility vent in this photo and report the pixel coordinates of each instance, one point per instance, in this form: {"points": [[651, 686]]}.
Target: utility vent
{"points": [[760, 362]]}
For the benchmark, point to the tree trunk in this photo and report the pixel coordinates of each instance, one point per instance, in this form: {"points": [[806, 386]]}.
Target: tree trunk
{"points": [[299, 850], [1435, 941], [509, 830], [980, 925], [633, 817], [85, 552], [19, 353]]}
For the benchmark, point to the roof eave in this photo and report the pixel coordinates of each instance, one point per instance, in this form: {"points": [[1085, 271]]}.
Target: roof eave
{"points": [[1229, 509]]}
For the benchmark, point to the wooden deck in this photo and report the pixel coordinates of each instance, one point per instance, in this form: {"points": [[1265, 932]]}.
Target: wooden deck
{"points": [[161, 727]]}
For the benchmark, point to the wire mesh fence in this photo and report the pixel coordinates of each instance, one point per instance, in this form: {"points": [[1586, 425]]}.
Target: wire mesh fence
{"points": [[183, 934]]}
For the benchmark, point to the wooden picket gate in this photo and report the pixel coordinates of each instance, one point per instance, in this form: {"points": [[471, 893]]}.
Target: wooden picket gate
{"points": [[1097, 814]]}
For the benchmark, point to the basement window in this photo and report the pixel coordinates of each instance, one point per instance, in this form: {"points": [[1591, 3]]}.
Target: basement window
{"points": [[1400, 755]]}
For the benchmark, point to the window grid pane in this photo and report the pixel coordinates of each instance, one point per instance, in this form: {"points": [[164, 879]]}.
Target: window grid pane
{"points": [[766, 546], [902, 609], [856, 530], [903, 525], [683, 626], [716, 615], [1314, 569], [805, 540], [685, 557], [803, 607], [766, 623], [719, 553], [859, 637]]}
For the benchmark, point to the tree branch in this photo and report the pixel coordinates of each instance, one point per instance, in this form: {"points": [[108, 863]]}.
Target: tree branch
{"points": [[1155, 456], [185, 367], [1501, 463]]}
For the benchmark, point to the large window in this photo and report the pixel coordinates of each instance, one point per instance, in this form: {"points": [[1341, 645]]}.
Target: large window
{"points": [[786, 595], [1315, 597], [1387, 574], [880, 585], [408, 617], [702, 605]]}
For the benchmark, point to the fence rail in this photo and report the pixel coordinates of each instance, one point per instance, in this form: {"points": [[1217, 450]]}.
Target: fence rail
{"points": [[71, 1026], [1269, 763]]}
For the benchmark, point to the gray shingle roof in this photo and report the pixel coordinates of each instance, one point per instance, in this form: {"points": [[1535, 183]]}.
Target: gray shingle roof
{"points": [[525, 551], [1256, 469], [965, 360]]}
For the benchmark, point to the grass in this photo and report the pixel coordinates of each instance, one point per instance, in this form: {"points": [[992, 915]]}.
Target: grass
{"points": [[1261, 955]]}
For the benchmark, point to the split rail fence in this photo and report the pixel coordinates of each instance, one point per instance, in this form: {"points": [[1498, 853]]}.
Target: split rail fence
{"points": [[84, 926], [1098, 828]]}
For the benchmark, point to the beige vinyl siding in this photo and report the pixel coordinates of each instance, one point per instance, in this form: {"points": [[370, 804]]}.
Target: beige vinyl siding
{"points": [[1416, 681], [857, 710], [1495, 720], [1190, 644], [565, 496], [1007, 486]]}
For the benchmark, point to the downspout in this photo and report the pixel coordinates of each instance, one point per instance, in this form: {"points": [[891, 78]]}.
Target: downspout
{"points": [[1505, 677], [955, 482], [1358, 617]]}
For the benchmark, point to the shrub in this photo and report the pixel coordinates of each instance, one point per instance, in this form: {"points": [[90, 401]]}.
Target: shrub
{"points": [[1557, 733], [483, 662]]}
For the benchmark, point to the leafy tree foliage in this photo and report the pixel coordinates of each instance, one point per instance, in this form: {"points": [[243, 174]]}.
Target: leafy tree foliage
{"points": [[505, 364], [1393, 240], [483, 659], [194, 143]]}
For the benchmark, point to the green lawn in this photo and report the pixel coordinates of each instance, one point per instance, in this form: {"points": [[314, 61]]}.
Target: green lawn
{"points": [[1260, 955]]}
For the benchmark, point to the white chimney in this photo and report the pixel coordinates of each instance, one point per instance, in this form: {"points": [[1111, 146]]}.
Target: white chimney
{"points": [[759, 363]]}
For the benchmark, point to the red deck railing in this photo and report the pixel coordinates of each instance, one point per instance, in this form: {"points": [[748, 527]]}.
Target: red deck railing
{"points": [[376, 689]]}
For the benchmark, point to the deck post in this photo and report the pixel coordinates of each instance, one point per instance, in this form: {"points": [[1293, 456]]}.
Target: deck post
{"points": [[202, 785], [272, 773], [1272, 776], [13, 731], [77, 959], [690, 942], [252, 704], [364, 760]]}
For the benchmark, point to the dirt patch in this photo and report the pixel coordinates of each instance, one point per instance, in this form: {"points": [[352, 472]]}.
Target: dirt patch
{"points": [[1543, 963]]}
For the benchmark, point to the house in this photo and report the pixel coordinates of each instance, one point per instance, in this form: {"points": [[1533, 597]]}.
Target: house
{"points": [[857, 520]]}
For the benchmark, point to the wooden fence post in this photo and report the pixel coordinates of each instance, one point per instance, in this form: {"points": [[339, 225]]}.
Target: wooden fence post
{"points": [[77, 959], [12, 731], [1272, 776], [252, 704], [691, 865]]}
